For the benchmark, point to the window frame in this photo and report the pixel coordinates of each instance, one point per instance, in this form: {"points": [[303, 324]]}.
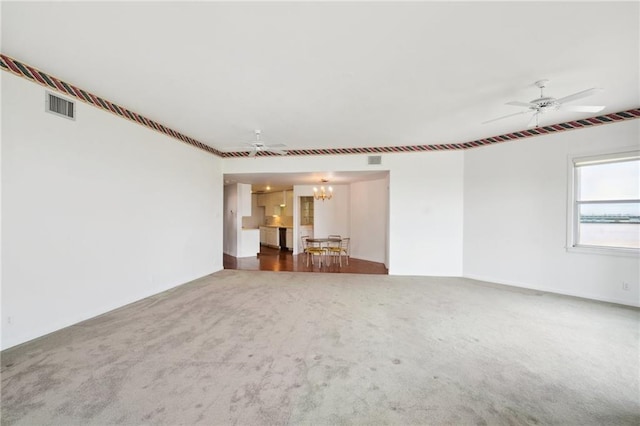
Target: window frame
{"points": [[573, 204]]}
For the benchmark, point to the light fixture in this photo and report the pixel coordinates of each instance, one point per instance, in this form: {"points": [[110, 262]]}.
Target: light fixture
{"points": [[322, 194]]}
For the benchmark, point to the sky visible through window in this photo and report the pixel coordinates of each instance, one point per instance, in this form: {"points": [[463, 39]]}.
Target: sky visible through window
{"points": [[612, 181]]}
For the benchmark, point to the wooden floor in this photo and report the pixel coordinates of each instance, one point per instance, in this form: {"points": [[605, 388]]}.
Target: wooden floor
{"points": [[271, 259]]}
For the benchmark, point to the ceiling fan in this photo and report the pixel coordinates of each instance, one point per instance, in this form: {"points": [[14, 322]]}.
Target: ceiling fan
{"points": [[259, 146], [544, 104]]}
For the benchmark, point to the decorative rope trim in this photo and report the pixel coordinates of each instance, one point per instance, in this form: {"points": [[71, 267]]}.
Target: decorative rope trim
{"points": [[30, 73]]}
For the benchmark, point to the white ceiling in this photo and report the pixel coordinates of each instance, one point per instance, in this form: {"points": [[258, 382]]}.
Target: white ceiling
{"points": [[333, 74]]}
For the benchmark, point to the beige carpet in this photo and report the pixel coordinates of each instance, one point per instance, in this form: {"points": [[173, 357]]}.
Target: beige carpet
{"points": [[268, 348]]}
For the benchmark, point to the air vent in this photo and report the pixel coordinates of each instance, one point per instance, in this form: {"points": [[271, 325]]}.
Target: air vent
{"points": [[60, 106], [374, 159]]}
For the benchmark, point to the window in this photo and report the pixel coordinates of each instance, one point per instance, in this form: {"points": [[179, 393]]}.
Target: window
{"points": [[606, 202]]}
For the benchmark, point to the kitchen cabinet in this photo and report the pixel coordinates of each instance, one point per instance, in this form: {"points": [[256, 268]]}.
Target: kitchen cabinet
{"points": [[269, 236], [268, 203], [272, 203], [278, 200], [272, 237]]}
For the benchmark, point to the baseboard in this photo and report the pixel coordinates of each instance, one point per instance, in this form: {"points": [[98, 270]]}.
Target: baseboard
{"points": [[551, 290]]}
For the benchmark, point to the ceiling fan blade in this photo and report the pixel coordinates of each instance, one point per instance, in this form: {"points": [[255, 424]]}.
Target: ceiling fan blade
{"points": [[276, 151], [521, 104], [253, 153], [579, 95], [273, 145], [582, 108], [506, 116]]}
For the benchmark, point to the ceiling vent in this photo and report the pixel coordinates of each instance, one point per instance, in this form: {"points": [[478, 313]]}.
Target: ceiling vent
{"points": [[374, 159], [60, 106]]}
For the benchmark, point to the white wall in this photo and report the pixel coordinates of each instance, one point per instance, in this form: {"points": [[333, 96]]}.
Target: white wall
{"points": [[425, 219], [425, 198], [369, 214], [515, 216], [331, 217], [96, 213]]}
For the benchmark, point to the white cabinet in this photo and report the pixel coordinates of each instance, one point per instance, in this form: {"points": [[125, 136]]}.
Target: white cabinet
{"points": [[272, 203], [278, 200], [269, 236], [268, 203], [272, 237]]}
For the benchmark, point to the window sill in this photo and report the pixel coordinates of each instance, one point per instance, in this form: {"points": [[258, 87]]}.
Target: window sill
{"points": [[608, 251]]}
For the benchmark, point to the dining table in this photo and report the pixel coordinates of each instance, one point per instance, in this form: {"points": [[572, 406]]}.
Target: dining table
{"points": [[324, 240], [323, 243]]}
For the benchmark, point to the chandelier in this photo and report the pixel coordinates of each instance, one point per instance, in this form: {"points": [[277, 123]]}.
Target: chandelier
{"points": [[322, 194]]}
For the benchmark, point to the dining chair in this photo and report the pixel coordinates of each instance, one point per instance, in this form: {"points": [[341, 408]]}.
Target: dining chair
{"points": [[333, 247], [338, 248], [311, 250], [344, 249]]}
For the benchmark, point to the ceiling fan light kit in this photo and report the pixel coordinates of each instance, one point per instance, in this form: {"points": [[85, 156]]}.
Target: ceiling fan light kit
{"points": [[544, 104]]}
